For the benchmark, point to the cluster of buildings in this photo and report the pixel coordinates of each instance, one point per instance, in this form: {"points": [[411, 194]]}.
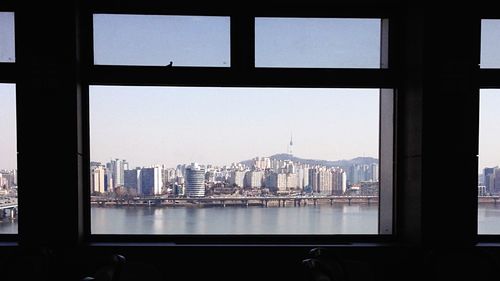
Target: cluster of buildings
{"points": [[8, 181], [489, 182], [262, 175]]}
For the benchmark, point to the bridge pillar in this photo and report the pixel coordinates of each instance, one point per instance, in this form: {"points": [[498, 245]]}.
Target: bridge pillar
{"points": [[368, 200], [331, 202], [315, 202], [265, 203], [349, 200]]}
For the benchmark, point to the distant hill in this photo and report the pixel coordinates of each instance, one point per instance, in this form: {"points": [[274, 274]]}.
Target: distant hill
{"points": [[327, 163]]}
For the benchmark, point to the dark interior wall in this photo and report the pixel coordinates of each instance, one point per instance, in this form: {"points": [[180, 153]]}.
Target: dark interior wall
{"points": [[437, 119]]}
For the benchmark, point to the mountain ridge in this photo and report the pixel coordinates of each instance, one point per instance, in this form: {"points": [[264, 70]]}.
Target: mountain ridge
{"points": [[314, 162]]}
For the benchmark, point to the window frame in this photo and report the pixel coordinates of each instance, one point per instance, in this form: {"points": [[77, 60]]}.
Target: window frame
{"points": [[243, 73], [487, 78], [8, 75]]}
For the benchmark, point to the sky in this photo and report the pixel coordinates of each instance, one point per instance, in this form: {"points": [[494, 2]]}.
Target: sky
{"points": [[7, 53], [489, 128], [172, 125], [181, 125]]}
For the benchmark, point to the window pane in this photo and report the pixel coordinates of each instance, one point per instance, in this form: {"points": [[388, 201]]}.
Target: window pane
{"points": [[317, 42], [489, 161], [158, 40], [7, 53], [234, 160], [8, 159], [490, 40]]}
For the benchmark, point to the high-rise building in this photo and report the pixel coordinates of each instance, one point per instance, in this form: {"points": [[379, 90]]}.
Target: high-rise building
{"points": [[131, 178], [150, 181], [237, 178], [487, 175], [374, 172], [313, 179], [97, 179], [276, 181], [117, 168], [495, 181], [339, 182], [195, 181], [325, 181], [254, 179]]}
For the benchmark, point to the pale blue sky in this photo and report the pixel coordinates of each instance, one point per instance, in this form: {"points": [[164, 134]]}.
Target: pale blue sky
{"points": [[7, 53], [489, 128], [178, 125], [490, 35], [8, 147]]}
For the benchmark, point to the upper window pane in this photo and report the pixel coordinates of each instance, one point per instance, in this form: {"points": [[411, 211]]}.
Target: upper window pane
{"points": [[490, 40], [317, 42], [152, 40], [8, 160], [7, 53]]}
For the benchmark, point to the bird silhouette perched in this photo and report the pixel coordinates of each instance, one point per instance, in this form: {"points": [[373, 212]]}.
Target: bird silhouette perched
{"points": [[170, 64]]}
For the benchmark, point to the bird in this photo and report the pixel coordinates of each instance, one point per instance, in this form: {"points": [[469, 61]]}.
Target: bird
{"points": [[170, 64]]}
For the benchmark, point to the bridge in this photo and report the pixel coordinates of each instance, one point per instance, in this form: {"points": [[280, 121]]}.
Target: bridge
{"points": [[265, 201], [488, 199], [8, 208]]}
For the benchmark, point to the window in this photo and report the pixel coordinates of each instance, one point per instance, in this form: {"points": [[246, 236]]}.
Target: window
{"points": [[317, 42], [269, 160], [8, 149], [248, 150], [8, 166], [489, 159], [161, 40], [7, 50]]}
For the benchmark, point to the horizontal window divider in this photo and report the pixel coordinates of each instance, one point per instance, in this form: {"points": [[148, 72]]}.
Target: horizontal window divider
{"points": [[321, 11], [226, 77], [8, 72], [242, 239], [489, 78], [488, 238]]}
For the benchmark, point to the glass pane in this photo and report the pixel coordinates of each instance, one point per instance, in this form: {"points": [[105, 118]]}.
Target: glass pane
{"points": [[161, 40], [7, 50], [204, 160], [489, 160], [317, 42], [8, 160], [490, 40]]}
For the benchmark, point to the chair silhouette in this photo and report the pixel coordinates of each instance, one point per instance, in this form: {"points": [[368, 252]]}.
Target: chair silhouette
{"points": [[323, 267], [111, 271]]}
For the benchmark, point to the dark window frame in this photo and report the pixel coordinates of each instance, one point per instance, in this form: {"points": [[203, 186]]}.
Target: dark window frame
{"points": [[487, 78], [8, 75], [241, 73]]}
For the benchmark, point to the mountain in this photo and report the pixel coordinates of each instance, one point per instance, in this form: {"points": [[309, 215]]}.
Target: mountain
{"points": [[327, 163]]}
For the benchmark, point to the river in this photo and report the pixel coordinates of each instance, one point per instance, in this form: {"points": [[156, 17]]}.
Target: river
{"points": [[321, 219]]}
